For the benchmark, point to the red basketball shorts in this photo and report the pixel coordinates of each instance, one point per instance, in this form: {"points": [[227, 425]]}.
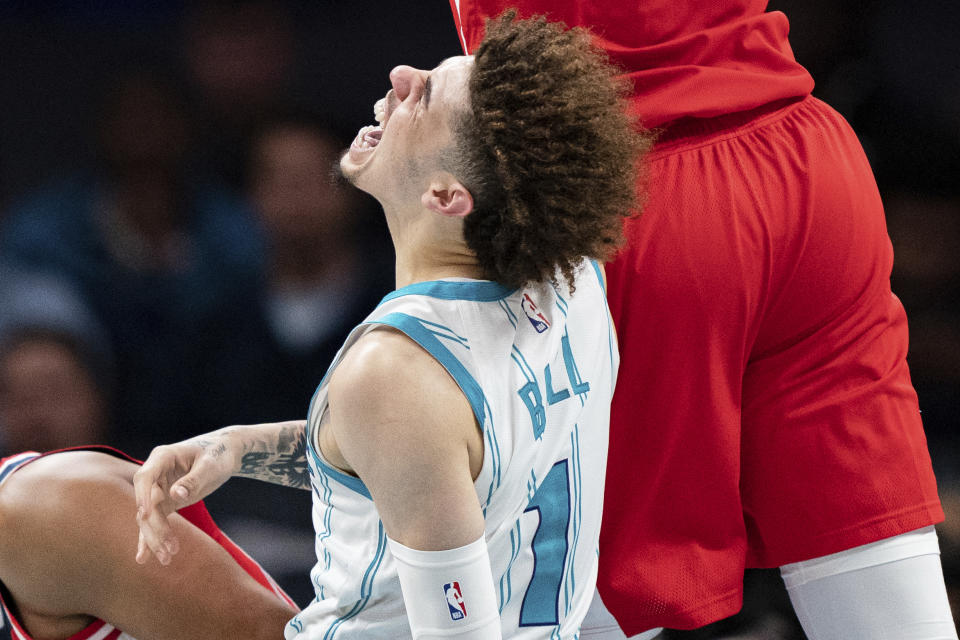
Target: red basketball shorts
{"points": [[764, 412]]}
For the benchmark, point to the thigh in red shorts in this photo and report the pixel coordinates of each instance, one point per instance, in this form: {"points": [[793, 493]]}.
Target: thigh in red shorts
{"points": [[764, 412]]}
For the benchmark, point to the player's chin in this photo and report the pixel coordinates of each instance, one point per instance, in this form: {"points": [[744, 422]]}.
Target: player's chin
{"points": [[353, 162]]}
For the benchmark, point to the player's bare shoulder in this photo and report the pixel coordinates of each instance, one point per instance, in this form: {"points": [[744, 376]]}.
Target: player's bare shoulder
{"points": [[388, 388], [387, 369], [379, 355]]}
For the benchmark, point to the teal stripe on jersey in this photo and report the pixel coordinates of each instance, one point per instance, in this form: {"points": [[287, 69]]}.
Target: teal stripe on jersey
{"points": [[561, 302], [562, 309], [511, 316], [327, 517], [515, 540], [578, 471], [414, 328], [570, 584], [524, 365], [610, 340], [506, 310], [572, 365], [366, 585], [316, 392], [445, 332], [474, 290], [506, 573], [351, 482], [296, 623], [598, 270], [494, 448]]}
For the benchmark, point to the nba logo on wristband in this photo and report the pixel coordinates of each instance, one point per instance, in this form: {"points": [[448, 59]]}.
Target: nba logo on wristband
{"points": [[458, 608]]}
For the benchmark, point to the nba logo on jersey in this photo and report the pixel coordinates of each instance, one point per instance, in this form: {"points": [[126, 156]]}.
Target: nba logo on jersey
{"points": [[458, 608], [537, 319]]}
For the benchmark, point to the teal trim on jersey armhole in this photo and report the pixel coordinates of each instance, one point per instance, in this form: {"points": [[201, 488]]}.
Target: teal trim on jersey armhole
{"points": [[473, 290], [597, 268], [416, 331], [610, 331], [351, 482]]}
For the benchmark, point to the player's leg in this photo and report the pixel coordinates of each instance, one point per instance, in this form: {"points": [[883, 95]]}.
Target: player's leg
{"points": [[833, 450], [67, 542], [834, 455], [888, 589], [682, 296], [599, 624]]}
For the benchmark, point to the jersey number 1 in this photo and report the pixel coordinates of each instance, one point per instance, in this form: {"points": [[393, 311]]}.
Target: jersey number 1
{"points": [[541, 603]]}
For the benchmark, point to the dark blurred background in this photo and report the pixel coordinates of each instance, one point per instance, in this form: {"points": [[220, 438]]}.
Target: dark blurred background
{"points": [[174, 256]]}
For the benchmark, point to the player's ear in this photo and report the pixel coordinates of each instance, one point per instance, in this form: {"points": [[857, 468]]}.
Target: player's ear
{"points": [[447, 196]]}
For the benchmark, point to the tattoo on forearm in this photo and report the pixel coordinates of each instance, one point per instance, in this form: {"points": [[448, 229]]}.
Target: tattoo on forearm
{"points": [[252, 463], [283, 461]]}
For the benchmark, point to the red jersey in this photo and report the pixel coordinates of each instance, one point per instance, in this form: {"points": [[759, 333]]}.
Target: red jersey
{"points": [[196, 514], [686, 59]]}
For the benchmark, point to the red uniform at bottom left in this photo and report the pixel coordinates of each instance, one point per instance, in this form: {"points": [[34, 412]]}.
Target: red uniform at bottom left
{"points": [[196, 514]]}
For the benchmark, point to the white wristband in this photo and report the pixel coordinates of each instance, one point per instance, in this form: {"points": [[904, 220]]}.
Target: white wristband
{"points": [[448, 594]]}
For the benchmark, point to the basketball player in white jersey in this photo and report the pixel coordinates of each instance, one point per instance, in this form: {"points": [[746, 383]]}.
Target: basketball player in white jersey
{"points": [[456, 447]]}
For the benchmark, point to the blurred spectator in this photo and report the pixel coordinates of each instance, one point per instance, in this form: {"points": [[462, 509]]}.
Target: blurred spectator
{"points": [[319, 281], [240, 62], [55, 366], [155, 253], [263, 361]]}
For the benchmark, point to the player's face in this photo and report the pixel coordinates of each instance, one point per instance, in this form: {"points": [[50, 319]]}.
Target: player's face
{"points": [[414, 125]]}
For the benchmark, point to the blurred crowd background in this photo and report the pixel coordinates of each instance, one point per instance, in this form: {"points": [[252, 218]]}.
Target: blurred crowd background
{"points": [[176, 256]]}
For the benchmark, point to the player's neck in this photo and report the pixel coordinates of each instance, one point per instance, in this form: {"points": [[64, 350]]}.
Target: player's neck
{"points": [[431, 247], [427, 265]]}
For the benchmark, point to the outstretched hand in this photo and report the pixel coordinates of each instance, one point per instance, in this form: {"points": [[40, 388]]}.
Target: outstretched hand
{"points": [[173, 477]]}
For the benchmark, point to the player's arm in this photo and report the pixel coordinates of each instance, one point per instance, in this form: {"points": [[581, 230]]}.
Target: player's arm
{"points": [[67, 551], [403, 424], [180, 474]]}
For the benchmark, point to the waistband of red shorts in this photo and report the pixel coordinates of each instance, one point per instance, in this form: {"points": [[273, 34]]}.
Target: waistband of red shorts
{"points": [[684, 130]]}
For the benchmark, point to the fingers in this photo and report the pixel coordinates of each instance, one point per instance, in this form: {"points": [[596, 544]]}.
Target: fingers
{"points": [[154, 506], [155, 469], [156, 536], [160, 491], [188, 489]]}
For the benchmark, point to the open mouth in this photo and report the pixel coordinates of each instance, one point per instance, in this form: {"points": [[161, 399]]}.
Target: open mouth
{"points": [[369, 136]]}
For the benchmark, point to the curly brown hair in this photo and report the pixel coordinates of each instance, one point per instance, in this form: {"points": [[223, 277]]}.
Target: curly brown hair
{"points": [[547, 150]]}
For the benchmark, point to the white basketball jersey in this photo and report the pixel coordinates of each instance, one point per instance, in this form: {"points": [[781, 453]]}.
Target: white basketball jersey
{"points": [[538, 366]]}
